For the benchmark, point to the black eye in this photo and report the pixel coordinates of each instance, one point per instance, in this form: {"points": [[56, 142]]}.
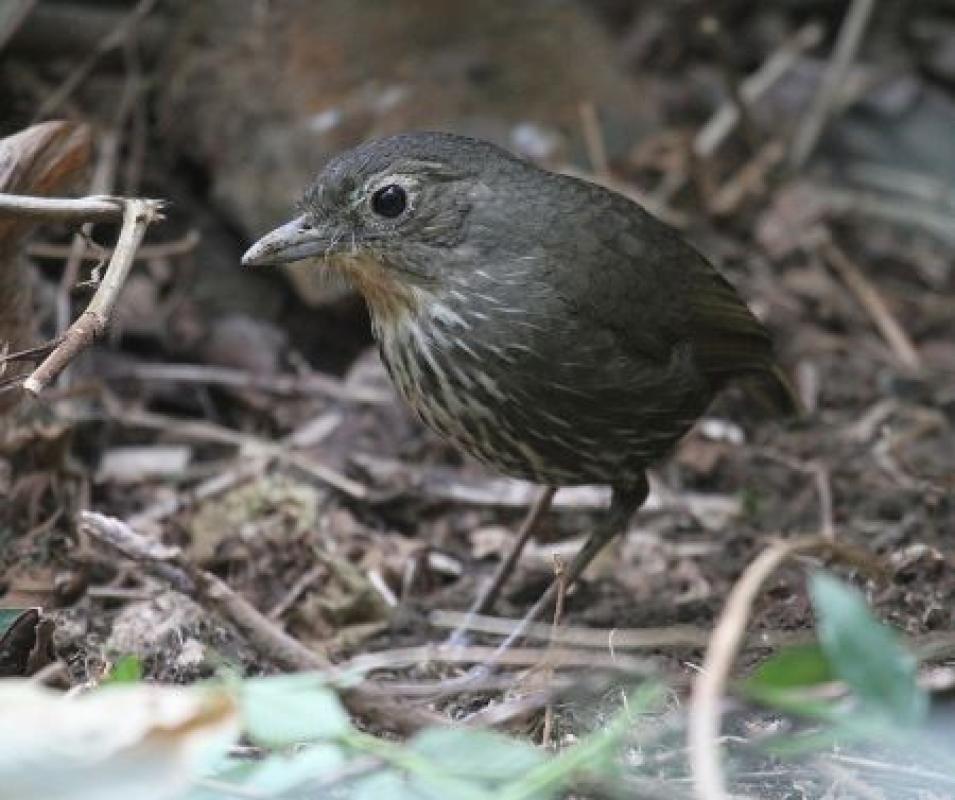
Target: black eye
{"points": [[389, 201]]}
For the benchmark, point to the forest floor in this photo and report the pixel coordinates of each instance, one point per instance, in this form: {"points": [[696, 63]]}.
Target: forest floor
{"points": [[270, 448]]}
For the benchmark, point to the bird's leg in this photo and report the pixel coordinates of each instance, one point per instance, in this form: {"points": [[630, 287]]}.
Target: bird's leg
{"points": [[623, 503], [489, 594], [529, 526]]}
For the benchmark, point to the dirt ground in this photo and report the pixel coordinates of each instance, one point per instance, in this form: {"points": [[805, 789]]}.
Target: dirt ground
{"points": [[246, 419]]}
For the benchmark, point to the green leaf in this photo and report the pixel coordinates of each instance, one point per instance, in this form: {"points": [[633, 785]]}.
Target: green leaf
{"points": [[792, 668], [128, 669], [285, 710], [484, 756], [865, 653], [780, 680]]}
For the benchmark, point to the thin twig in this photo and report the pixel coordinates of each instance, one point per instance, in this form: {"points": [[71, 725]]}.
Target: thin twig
{"points": [[605, 638], [753, 87], [297, 589], [710, 684], [560, 576], [310, 383], [594, 139], [137, 217], [447, 485], [827, 526], [147, 252], [29, 354], [264, 635], [102, 183], [404, 657], [244, 471], [843, 54], [871, 300], [750, 179], [821, 480], [60, 209], [723, 45], [251, 445]]}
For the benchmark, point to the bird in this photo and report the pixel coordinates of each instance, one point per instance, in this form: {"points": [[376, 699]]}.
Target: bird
{"points": [[547, 326]]}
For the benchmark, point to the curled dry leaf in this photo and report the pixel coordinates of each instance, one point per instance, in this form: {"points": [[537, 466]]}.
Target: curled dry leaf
{"points": [[40, 160], [144, 741]]}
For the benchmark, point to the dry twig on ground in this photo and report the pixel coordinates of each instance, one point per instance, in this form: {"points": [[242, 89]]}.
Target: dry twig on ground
{"points": [[710, 684], [560, 576], [611, 639], [843, 54], [872, 301], [720, 125], [283, 451], [273, 643]]}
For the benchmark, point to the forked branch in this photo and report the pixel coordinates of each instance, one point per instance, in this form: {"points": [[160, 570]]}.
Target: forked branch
{"points": [[137, 215]]}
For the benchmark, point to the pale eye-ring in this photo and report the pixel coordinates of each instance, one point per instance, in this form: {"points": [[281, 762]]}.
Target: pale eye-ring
{"points": [[389, 201]]}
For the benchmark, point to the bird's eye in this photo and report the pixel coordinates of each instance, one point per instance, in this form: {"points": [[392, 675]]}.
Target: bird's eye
{"points": [[389, 201]]}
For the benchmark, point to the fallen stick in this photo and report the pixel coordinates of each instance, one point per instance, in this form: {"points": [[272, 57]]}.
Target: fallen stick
{"points": [[268, 639], [843, 54], [871, 300], [710, 684], [709, 138], [60, 209], [610, 639], [201, 430], [290, 385]]}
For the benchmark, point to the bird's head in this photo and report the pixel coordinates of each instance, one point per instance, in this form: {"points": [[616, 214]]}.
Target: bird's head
{"points": [[401, 217]]}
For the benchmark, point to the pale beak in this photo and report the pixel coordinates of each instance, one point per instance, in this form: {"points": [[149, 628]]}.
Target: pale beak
{"points": [[293, 241]]}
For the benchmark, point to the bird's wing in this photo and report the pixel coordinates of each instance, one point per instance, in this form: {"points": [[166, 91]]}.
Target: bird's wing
{"points": [[659, 295]]}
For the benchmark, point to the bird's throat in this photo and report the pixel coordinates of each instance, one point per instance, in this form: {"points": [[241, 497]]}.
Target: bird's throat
{"points": [[388, 295]]}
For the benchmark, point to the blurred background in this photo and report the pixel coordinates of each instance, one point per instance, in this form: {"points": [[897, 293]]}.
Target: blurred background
{"points": [[806, 146]]}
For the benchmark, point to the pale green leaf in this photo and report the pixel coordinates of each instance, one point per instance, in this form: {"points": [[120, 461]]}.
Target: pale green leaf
{"points": [[865, 653], [286, 710], [484, 756]]}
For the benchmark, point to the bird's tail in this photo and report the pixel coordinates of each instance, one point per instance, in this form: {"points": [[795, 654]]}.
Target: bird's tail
{"points": [[772, 390]]}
